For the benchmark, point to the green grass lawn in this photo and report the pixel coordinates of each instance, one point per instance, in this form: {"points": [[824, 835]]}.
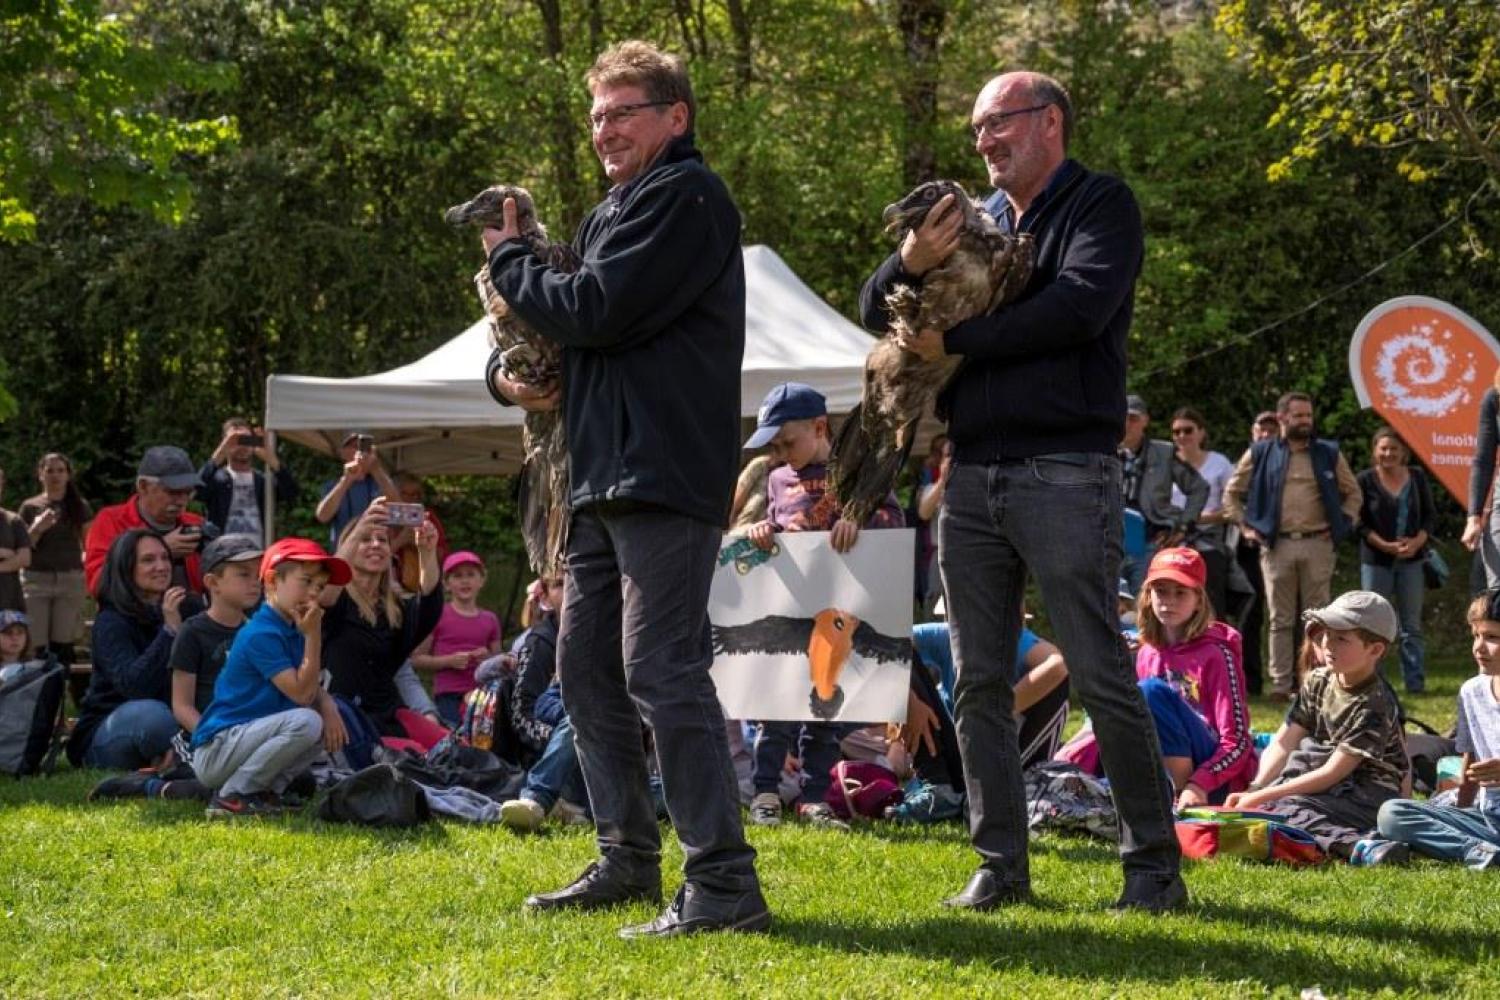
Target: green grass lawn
{"points": [[152, 899]]}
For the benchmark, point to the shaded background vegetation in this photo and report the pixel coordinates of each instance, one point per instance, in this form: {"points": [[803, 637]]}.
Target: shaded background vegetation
{"points": [[274, 205]]}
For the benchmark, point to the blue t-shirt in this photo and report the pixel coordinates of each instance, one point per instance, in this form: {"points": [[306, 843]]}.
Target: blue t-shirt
{"points": [[360, 495], [264, 647], [931, 640]]}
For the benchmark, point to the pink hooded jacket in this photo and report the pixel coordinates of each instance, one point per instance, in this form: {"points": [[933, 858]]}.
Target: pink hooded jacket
{"points": [[1210, 676]]}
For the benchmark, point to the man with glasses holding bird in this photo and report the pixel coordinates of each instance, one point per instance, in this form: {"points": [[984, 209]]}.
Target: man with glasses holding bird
{"points": [[1035, 414], [652, 327]]}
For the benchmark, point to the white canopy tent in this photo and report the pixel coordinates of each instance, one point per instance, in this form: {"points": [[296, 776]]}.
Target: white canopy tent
{"points": [[433, 416]]}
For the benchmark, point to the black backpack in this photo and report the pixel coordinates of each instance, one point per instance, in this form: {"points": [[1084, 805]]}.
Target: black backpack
{"points": [[31, 717], [379, 795]]}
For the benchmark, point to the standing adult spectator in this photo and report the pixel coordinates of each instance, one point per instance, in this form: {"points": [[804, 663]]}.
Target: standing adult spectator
{"points": [[1395, 525], [364, 478], [1294, 496], [1247, 554], [1035, 414], [164, 483], [55, 521], [1482, 530], [1209, 537], [233, 491], [15, 555], [126, 721], [1150, 475], [659, 300]]}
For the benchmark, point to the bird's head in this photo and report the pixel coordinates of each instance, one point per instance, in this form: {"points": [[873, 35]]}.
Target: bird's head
{"points": [[487, 209], [909, 213]]}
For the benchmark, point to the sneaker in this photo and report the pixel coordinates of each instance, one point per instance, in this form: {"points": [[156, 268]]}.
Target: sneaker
{"points": [[522, 814], [569, 813], [765, 809], [927, 803], [820, 814], [1378, 851], [1482, 857], [235, 806], [135, 785]]}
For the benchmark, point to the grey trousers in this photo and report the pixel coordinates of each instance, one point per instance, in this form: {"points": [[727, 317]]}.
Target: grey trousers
{"points": [[261, 756], [634, 645], [1057, 517]]}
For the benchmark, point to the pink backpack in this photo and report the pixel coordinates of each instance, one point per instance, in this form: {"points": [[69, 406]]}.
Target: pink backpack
{"points": [[862, 790]]}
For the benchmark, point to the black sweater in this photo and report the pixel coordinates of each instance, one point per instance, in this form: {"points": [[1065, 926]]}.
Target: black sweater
{"points": [[131, 662], [1377, 513], [653, 333], [362, 659], [1046, 373], [536, 666]]}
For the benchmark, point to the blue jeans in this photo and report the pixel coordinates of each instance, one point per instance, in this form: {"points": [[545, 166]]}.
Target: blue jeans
{"points": [[132, 736], [1444, 832], [1058, 518], [555, 775], [634, 646], [1404, 586], [549, 706], [1179, 730], [816, 744], [450, 707]]}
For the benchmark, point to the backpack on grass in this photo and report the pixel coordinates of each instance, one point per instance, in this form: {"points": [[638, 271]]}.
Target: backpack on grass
{"points": [[31, 716], [1210, 831]]}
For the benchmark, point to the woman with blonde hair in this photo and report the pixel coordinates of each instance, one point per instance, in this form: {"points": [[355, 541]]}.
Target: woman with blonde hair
{"points": [[369, 632]]}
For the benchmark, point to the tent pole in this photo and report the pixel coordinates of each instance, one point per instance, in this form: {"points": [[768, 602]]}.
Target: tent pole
{"points": [[269, 501]]}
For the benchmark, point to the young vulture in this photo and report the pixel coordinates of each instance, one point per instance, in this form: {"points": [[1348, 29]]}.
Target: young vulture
{"points": [[987, 270], [533, 360]]}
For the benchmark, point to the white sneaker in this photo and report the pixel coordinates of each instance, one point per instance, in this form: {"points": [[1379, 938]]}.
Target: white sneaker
{"points": [[522, 814], [567, 813]]}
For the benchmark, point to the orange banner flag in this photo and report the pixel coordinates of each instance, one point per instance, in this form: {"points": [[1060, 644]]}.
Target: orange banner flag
{"points": [[1424, 366]]}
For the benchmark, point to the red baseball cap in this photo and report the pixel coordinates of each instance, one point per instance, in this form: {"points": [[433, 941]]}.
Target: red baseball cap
{"points": [[305, 550], [462, 558], [1180, 565]]}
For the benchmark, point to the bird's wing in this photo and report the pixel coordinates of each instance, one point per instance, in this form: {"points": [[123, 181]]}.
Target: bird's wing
{"points": [[873, 646], [772, 634]]}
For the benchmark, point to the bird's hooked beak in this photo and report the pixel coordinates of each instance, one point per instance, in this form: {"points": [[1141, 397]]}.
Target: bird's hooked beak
{"points": [[891, 216], [458, 215]]}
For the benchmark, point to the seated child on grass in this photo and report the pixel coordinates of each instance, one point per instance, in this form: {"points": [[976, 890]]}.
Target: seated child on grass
{"points": [[1189, 669], [1468, 831], [15, 641], [793, 421], [260, 731], [1340, 754], [232, 581], [466, 635]]}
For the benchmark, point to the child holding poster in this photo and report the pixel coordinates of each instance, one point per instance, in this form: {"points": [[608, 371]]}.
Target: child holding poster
{"points": [[793, 422]]}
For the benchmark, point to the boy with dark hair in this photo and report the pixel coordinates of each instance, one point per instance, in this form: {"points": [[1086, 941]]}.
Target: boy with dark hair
{"points": [[1468, 830], [259, 732], [793, 421], [1340, 754], [198, 653]]}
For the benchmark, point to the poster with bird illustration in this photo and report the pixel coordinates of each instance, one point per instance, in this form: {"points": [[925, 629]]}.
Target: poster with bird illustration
{"points": [[801, 632]]}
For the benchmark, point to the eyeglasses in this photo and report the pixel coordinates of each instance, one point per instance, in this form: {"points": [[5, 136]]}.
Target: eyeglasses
{"points": [[992, 124], [1182, 431], [623, 113]]}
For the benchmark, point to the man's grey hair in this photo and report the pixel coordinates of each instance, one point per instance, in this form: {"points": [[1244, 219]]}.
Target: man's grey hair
{"points": [[1047, 90]]}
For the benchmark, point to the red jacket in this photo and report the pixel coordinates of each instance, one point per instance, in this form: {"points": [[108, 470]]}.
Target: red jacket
{"points": [[112, 522]]}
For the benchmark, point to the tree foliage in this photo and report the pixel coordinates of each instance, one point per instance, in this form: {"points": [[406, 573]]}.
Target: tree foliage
{"points": [[1421, 76], [314, 243]]}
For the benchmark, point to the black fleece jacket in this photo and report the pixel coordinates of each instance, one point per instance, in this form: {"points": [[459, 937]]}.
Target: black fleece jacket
{"points": [[1045, 373], [653, 333]]}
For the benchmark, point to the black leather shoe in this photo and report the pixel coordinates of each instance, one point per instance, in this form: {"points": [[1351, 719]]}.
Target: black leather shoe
{"points": [[1152, 894], [986, 891], [598, 887], [697, 908]]}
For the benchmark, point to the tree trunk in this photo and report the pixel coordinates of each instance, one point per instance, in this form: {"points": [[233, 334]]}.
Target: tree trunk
{"points": [[739, 27], [561, 125], [921, 25], [596, 26]]}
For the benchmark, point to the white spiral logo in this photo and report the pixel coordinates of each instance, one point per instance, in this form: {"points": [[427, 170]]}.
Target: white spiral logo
{"points": [[1414, 370]]}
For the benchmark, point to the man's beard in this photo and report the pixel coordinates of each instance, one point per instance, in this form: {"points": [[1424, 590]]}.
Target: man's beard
{"points": [[1302, 432]]}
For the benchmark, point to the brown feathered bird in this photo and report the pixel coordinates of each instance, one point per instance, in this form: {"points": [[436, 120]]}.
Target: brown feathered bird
{"points": [[531, 359], [828, 639], [988, 269]]}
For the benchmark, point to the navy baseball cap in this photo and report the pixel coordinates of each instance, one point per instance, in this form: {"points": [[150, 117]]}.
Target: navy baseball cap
{"points": [[787, 402]]}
